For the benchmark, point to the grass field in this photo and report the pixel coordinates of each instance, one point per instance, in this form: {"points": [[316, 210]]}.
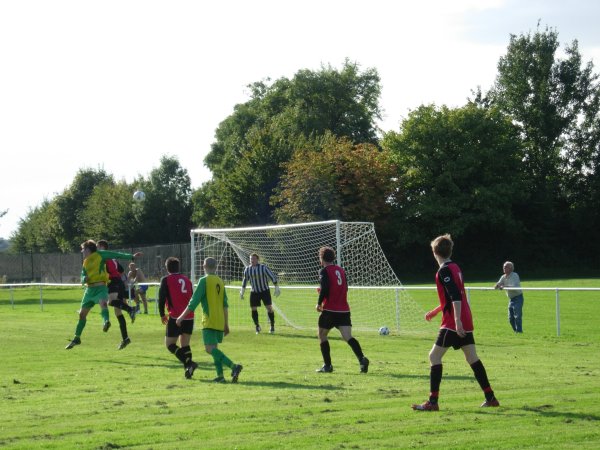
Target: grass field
{"points": [[96, 397]]}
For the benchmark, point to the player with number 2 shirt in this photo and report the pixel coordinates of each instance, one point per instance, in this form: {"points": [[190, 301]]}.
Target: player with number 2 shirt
{"points": [[175, 292]]}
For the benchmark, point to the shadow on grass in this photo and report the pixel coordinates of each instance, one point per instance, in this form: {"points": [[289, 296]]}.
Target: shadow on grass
{"points": [[547, 411], [283, 385], [157, 362], [425, 376]]}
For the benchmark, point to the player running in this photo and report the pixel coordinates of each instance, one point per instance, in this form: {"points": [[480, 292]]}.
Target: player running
{"points": [[457, 326], [175, 292], [334, 309], [210, 293]]}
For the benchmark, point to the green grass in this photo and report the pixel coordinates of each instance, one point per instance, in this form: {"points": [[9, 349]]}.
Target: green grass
{"points": [[95, 397]]}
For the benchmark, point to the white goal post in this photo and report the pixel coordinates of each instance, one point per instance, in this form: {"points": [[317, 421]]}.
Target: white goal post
{"points": [[376, 295]]}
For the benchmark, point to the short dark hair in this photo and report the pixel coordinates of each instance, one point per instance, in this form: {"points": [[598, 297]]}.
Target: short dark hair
{"points": [[443, 245], [254, 254], [103, 243], [172, 264], [327, 254], [90, 245]]}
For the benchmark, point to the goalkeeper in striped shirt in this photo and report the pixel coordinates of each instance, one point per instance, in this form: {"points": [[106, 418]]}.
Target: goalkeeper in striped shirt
{"points": [[258, 275]]}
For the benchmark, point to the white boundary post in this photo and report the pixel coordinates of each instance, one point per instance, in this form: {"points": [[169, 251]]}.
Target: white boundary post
{"points": [[557, 312], [397, 310]]}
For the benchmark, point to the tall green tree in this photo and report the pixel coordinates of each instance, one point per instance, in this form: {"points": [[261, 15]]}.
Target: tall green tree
{"points": [[459, 171], [109, 214], [337, 179], [554, 102], [165, 214], [251, 144], [71, 204], [39, 231]]}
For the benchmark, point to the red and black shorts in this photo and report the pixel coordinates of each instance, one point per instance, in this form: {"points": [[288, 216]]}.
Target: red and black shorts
{"points": [[450, 338], [331, 319]]}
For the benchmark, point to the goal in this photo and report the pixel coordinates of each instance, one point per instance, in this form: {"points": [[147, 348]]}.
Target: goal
{"points": [[375, 294]]}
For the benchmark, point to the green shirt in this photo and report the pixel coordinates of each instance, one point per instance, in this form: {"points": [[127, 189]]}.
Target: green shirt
{"points": [[210, 293]]}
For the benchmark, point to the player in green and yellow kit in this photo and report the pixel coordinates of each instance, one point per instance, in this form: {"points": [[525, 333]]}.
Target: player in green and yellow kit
{"points": [[95, 277], [210, 293]]}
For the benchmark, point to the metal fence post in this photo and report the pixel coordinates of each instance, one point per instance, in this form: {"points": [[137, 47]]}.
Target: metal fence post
{"points": [[41, 299], [557, 312], [12, 300], [397, 310]]}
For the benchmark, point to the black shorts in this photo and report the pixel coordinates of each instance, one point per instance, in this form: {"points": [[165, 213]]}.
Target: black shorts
{"points": [[449, 338], [116, 285], [256, 297], [330, 319], [187, 327]]}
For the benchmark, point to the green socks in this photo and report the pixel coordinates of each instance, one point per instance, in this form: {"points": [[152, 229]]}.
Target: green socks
{"points": [[80, 327]]}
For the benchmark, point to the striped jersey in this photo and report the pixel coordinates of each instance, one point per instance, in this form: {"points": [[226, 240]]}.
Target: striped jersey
{"points": [[258, 276]]}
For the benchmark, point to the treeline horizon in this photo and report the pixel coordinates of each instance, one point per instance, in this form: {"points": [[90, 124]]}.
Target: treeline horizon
{"points": [[512, 174]]}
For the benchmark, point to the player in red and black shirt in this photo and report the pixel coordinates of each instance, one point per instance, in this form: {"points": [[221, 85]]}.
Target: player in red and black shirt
{"points": [[456, 329], [334, 309], [175, 292], [116, 294]]}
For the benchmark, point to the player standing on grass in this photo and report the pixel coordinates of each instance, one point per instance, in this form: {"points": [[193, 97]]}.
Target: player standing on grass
{"points": [[210, 293], [457, 326], [334, 309], [258, 274], [95, 277], [175, 292], [116, 293]]}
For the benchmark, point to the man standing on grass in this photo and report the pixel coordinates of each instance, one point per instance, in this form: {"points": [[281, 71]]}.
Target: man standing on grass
{"points": [[175, 292], [95, 277], [259, 274], [457, 326], [210, 293], [509, 281], [334, 309]]}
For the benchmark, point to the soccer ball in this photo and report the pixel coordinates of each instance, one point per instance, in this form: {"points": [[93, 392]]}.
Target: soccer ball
{"points": [[139, 196], [384, 331]]}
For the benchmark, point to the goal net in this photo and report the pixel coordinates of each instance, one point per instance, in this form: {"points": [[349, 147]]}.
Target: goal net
{"points": [[375, 294]]}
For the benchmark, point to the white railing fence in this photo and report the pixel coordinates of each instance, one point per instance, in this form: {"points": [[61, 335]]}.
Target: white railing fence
{"points": [[469, 289]]}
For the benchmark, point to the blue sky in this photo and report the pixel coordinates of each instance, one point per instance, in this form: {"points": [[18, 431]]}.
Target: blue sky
{"points": [[118, 84]]}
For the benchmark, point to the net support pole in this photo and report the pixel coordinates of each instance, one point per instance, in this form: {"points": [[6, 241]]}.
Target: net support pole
{"points": [[12, 300], [469, 296], [557, 312], [397, 309], [338, 243], [41, 299], [192, 259]]}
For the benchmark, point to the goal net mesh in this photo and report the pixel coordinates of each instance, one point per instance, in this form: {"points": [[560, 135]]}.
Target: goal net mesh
{"points": [[375, 294]]}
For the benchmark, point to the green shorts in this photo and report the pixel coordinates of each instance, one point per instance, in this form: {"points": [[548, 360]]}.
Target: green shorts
{"points": [[93, 295], [212, 337]]}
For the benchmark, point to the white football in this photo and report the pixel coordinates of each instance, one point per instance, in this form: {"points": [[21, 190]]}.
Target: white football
{"points": [[139, 196], [384, 331]]}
